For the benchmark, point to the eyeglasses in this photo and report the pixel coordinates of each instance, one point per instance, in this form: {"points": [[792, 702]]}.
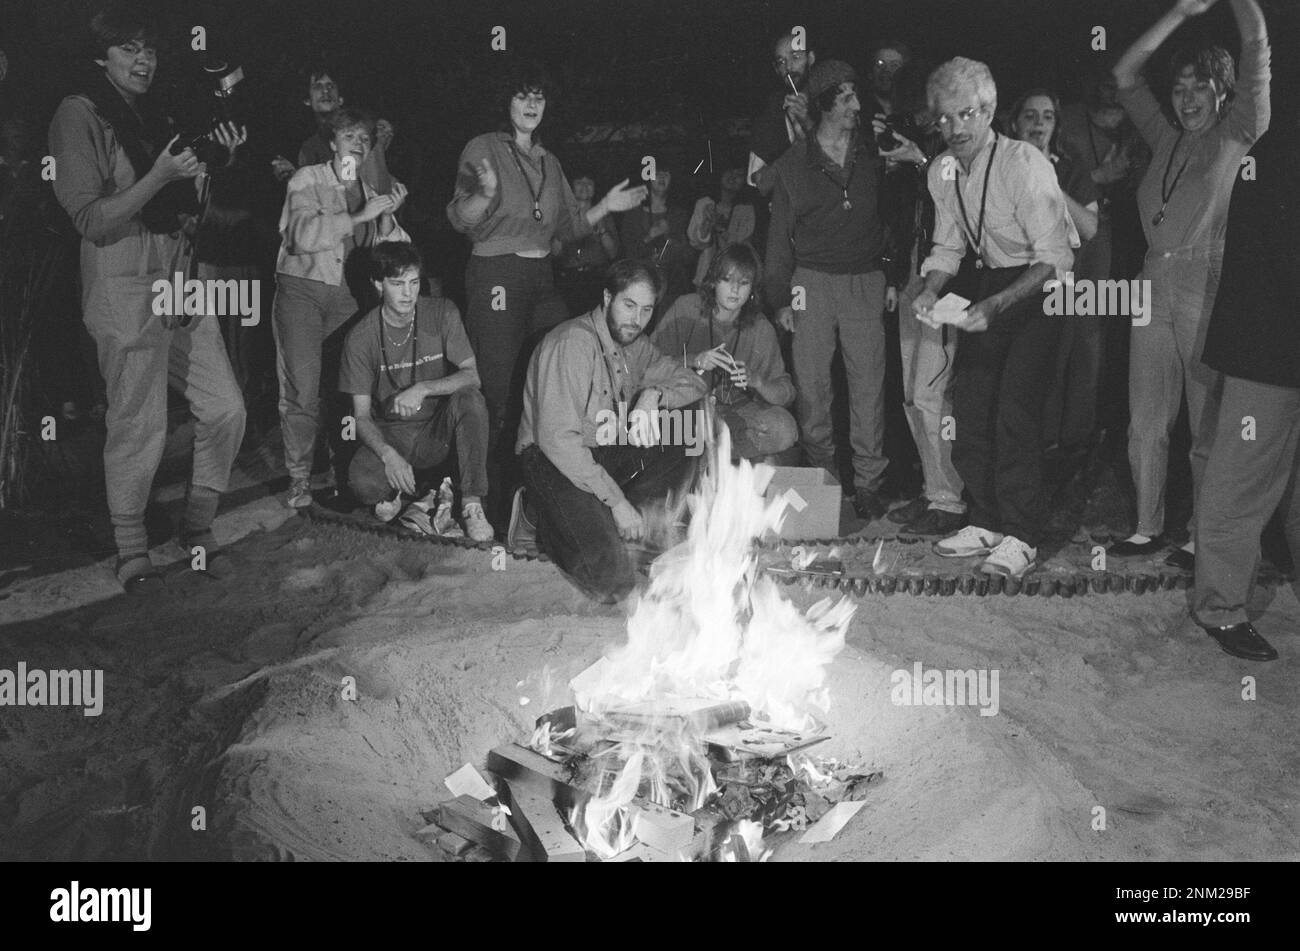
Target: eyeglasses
{"points": [[783, 64], [946, 120]]}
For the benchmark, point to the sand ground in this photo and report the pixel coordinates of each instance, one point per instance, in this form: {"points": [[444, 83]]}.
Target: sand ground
{"points": [[228, 696]]}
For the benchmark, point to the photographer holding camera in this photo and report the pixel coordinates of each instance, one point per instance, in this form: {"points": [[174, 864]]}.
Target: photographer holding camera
{"points": [[130, 191]]}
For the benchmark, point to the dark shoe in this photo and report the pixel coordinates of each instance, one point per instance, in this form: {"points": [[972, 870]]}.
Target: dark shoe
{"points": [[936, 522], [1181, 559], [1242, 640], [137, 575], [1127, 549], [868, 505], [910, 512]]}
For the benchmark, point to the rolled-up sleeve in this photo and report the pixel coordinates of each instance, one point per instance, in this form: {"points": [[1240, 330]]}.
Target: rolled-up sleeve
{"points": [[949, 242], [1040, 210], [565, 365]]}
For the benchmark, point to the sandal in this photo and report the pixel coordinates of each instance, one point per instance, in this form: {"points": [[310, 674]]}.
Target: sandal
{"points": [[137, 574]]}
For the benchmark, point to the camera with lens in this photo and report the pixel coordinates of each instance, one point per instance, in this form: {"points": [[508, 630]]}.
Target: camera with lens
{"points": [[220, 79], [901, 123]]}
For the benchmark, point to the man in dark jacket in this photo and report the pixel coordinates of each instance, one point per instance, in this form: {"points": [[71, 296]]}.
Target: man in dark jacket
{"points": [[1254, 339]]}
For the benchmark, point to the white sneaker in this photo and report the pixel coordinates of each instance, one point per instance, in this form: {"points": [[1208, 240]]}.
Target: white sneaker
{"points": [[477, 526], [387, 511], [971, 540], [1011, 559], [443, 522]]}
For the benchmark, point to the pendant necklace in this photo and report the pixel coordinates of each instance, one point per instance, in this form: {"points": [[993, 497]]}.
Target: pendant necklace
{"points": [[541, 186], [984, 202], [1167, 190], [848, 181]]}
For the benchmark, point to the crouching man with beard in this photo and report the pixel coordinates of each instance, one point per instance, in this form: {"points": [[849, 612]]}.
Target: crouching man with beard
{"points": [[588, 495]]}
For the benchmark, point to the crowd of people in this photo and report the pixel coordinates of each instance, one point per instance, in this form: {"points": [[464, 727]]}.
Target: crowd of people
{"points": [[905, 190]]}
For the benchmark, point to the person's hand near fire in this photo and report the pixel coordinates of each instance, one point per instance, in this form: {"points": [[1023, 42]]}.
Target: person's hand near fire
{"points": [[643, 421]]}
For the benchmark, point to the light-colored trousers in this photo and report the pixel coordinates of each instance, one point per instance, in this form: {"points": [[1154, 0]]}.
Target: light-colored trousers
{"points": [[139, 358], [1165, 363], [927, 400]]}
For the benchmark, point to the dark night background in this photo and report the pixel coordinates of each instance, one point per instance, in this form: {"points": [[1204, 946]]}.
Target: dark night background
{"points": [[665, 77], [694, 71]]}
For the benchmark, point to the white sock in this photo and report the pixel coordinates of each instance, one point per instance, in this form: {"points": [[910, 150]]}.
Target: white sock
{"points": [[1138, 539], [1190, 548]]}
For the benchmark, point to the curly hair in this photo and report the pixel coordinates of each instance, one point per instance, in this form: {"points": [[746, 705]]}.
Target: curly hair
{"points": [[1212, 64], [958, 76]]}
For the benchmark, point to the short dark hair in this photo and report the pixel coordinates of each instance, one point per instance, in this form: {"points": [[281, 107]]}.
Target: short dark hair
{"points": [[623, 274], [393, 259], [738, 257], [1212, 63], [345, 117], [121, 22], [898, 46], [314, 69]]}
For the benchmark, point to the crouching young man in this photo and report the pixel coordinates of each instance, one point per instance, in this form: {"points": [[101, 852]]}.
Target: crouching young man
{"points": [[587, 493], [415, 394]]}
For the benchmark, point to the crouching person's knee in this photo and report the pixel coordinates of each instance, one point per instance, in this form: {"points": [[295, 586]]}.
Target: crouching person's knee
{"points": [[468, 401]]}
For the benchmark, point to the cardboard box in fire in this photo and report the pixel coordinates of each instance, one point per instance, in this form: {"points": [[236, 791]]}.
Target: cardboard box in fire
{"points": [[812, 502]]}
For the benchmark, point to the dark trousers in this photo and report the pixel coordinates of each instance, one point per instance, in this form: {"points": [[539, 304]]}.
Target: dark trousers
{"points": [[459, 420], [511, 302], [1245, 481], [1000, 378], [577, 529]]}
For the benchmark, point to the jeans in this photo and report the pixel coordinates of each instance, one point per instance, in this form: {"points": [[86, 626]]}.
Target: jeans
{"points": [[459, 419], [757, 428], [577, 529], [997, 398], [308, 320]]}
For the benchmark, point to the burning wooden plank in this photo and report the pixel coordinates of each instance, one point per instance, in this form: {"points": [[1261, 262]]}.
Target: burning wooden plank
{"points": [[522, 767], [537, 821]]}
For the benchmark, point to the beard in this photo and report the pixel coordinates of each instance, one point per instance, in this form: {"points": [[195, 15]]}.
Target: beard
{"points": [[621, 334]]}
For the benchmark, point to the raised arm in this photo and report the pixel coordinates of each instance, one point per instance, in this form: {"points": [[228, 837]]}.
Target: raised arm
{"points": [[1130, 65]]}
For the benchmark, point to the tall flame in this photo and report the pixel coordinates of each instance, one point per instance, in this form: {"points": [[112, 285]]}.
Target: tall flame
{"points": [[709, 627]]}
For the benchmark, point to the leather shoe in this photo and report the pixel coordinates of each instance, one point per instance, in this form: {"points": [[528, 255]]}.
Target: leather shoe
{"points": [[936, 522], [1126, 549], [867, 505], [1242, 640], [1181, 559], [909, 512]]}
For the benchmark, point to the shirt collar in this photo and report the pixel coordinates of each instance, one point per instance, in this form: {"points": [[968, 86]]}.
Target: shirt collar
{"points": [[818, 158]]}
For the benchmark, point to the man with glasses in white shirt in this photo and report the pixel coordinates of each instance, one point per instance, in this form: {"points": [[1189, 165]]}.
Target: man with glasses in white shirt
{"points": [[1000, 198]]}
